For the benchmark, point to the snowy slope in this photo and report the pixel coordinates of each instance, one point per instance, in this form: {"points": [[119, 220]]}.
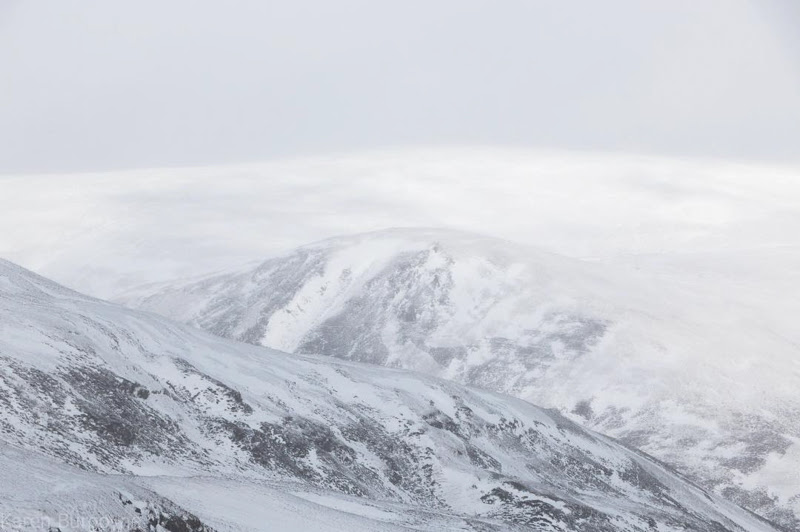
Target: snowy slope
{"points": [[704, 382], [37, 493], [213, 424]]}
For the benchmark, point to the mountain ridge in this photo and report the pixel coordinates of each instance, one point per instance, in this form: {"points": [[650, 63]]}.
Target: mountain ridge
{"points": [[111, 390]]}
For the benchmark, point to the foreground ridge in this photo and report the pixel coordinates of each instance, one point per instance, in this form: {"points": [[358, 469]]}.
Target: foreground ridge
{"points": [[183, 418]]}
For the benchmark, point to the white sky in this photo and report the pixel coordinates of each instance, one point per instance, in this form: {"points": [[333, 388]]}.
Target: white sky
{"points": [[90, 85]]}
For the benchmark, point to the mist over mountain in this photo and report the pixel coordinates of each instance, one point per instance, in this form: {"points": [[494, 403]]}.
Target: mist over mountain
{"points": [[102, 233]]}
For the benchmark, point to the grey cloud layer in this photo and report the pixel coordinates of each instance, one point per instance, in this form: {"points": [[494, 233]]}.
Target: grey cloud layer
{"points": [[96, 85]]}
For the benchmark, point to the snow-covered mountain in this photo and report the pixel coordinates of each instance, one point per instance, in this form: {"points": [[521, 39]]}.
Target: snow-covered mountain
{"points": [[703, 384], [197, 431]]}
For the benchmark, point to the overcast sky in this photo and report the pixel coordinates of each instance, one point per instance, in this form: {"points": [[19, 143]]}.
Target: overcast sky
{"points": [[91, 85]]}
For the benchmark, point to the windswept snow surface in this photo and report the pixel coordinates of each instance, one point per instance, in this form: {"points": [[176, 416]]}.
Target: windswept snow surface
{"points": [[703, 380], [39, 493], [237, 437]]}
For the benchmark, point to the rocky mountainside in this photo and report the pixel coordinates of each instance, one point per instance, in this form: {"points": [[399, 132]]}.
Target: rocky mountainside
{"points": [[692, 379], [108, 412]]}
